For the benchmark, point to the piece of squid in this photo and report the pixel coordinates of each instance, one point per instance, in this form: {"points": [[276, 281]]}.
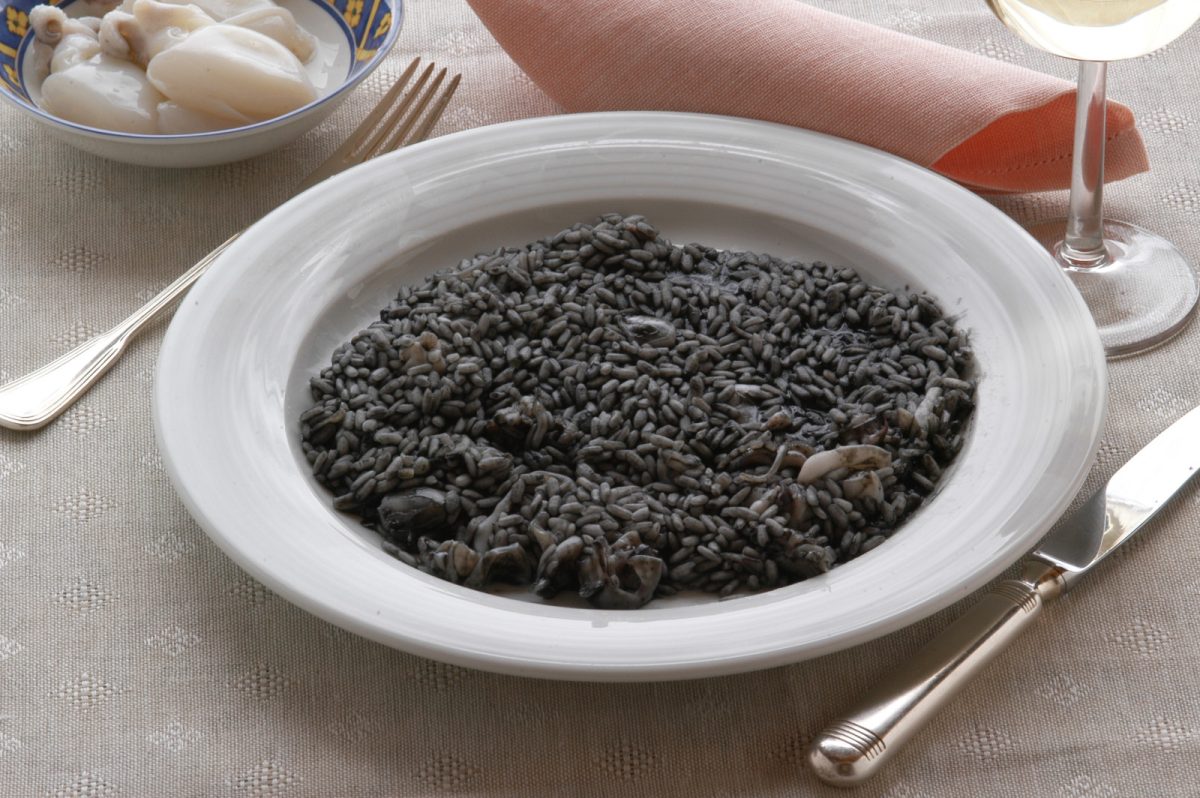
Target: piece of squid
{"points": [[263, 16], [232, 72], [280, 25], [47, 23], [72, 41], [148, 29], [174, 118], [103, 92], [222, 10], [95, 8]]}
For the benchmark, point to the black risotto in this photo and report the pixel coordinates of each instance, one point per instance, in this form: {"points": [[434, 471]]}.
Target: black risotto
{"points": [[609, 413]]}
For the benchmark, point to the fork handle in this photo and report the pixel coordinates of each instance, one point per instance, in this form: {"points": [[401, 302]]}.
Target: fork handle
{"points": [[33, 401], [854, 748]]}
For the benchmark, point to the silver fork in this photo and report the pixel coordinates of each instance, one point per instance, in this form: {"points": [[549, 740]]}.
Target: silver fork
{"points": [[33, 401]]}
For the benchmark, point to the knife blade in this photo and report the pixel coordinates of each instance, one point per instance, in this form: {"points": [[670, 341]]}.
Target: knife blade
{"points": [[1132, 496], [857, 746]]}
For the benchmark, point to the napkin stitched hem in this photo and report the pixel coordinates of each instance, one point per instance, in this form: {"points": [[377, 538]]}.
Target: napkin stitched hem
{"points": [[968, 164]]}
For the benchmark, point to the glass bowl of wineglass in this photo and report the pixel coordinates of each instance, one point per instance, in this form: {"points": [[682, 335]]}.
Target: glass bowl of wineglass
{"points": [[1139, 286]]}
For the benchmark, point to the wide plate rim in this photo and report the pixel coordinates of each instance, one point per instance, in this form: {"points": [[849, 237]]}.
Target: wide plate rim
{"points": [[589, 130]]}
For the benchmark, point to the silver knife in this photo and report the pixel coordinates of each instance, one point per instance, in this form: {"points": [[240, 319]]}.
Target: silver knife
{"points": [[856, 746]]}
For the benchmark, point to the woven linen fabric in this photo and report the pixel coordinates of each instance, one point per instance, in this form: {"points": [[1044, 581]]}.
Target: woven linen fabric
{"points": [[137, 660], [987, 123]]}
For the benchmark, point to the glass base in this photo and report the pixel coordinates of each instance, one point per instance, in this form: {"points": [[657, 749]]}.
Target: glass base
{"points": [[1144, 293]]}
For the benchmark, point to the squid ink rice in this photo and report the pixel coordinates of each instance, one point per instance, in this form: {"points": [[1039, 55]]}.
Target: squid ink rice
{"points": [[609, 413]]}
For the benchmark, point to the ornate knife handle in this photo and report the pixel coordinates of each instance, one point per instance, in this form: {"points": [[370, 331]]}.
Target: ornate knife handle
{"points": [[856, 746]]}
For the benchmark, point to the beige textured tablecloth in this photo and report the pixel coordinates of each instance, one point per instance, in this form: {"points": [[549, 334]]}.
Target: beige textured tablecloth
{"points": [[136, 660]]}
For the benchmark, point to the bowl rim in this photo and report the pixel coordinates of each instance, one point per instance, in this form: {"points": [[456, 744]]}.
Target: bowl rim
{"points": [[351, 81]]}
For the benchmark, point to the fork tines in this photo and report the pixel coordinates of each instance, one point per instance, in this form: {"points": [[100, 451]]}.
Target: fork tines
{"points": [[405, 115]]}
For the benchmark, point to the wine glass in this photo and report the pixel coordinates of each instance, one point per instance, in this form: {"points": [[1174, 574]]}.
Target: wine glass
{"points": [[1140, 288]]}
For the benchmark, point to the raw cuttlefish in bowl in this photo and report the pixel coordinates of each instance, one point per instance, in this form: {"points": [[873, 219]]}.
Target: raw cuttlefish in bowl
{"points": [[174, 83]]}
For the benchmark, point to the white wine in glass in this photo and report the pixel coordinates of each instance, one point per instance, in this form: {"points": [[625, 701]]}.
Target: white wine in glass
{"points": [[1140, 288]]}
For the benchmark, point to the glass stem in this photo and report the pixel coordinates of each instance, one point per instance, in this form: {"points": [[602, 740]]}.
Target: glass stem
{"points": [[1083, 247]]}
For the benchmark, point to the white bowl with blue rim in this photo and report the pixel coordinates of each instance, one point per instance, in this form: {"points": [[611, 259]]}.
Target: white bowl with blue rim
{"points": [[355, 36]]}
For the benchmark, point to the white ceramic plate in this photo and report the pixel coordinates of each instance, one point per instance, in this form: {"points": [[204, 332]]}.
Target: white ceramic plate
{"points": [[233, 371]]}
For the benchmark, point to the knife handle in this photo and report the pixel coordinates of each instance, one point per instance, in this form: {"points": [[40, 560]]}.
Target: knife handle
{"points": [[859, 744]]}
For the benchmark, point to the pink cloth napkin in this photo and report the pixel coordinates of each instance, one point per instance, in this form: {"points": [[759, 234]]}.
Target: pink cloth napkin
{"points": [[987, 124]]}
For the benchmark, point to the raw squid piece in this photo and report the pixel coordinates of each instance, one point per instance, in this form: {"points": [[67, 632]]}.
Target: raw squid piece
{"points": [[221, 10], [263, 16], [150, 29], [174, 118], [103, 92], [232, 72], [74, 48], [280, 25], [72, 41]]}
